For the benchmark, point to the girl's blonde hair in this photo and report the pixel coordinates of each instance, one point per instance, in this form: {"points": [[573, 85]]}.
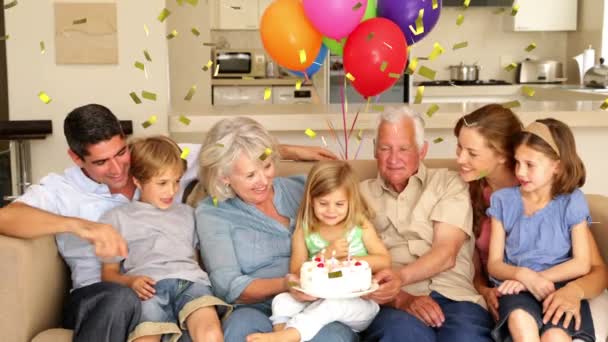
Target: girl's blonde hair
{"points": [[152, 155], [324, 178]]}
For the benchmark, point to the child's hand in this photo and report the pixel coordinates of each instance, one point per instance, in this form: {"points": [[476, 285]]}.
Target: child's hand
{"points": [[341, 248], [143, 287], [511, 287], [536, 284]]}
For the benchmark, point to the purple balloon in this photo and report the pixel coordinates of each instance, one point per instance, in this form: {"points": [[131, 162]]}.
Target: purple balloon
{"points": [[405, 12]]}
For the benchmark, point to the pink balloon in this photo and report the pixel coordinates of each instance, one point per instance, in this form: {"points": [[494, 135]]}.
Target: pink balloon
{"points": [[335, 18]]}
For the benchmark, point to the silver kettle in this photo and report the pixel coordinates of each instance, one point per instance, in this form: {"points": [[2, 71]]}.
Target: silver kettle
{"points": [[597, 76]]}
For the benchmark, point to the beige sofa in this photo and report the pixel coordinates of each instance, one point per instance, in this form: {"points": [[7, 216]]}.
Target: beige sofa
{"points": [[34, 279]]}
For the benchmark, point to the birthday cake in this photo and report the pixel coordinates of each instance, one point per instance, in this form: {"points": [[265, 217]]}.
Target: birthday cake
{"points": [[333, 278]]}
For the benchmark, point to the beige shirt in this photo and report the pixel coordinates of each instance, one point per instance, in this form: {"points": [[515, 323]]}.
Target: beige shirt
{"points": [[404, 222]]}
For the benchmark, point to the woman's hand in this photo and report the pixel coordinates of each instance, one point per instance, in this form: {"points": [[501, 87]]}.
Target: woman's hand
{"points": [[340, 246], [292, 280], [491, 294], [143, 287], [565, 301], [511, 287], [535, 283]]}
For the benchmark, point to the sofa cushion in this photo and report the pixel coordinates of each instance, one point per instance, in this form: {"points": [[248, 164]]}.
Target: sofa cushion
{"points": [[54, 335]]}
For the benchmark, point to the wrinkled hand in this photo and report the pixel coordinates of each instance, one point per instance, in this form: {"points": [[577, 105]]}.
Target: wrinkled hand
{"points": [[491, 294], [143, 287], [292, 280], [389, 286], [511, 287], [340, 246], [536, 284], [106, 240], [424, 308], [565, 301]]}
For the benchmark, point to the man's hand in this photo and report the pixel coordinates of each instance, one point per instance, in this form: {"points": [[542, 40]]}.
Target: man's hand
{"points": [[143, 287], [390, 285], [424, 308], [491, 294], [292, 280], [297, 152], [106, 240]]}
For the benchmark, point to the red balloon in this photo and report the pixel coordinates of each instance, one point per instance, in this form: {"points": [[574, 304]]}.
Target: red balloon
{"points": [[374, 43]]}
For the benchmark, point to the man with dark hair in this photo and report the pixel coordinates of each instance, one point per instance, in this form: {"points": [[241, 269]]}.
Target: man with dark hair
{"points": [[69, 205]]}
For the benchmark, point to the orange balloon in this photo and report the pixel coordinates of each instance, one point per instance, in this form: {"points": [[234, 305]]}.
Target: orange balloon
{"points": [[288, 36]]}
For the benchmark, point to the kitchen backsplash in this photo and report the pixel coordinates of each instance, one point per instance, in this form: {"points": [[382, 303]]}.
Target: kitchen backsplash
{"points": [[489, 44]]}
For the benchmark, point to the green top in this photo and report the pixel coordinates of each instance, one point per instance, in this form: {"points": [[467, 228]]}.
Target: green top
{"points": [[316, 243]]}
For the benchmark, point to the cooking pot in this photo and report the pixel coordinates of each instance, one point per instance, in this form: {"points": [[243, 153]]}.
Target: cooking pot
{"points": [[462, 72]]}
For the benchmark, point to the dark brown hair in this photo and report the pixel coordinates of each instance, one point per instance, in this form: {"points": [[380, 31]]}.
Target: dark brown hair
{"points": [[152, 155], [571, 174], [499, 126]]}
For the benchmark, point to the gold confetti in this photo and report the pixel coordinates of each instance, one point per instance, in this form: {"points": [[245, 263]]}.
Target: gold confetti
{"points": [[44, 97], [267, 152], [163, 15], [298, 84], [604, 105], [219, 145], [435, 4], [483, 174], [466, 3], [10, 5], [140, 65], [511, 104], [383, 66], [302, 56], [370, 36], [217, 70], [267, 94], [437, 51], [378, 108], [427, 72], [5, 37], [411, 69], [360, 134], [42, 48], [531, 47], [209, 64], [195, 31], [80, 21], [394, 75], [180, 2], [146, 30], [192, 2], [499, 11], [209, 44], [135, 98], [350, 77], [419, 94], [511, 67], [215, 202], [514, 10], [432, 110], [147, 55], [419, 24], [357, 6], [151, 121], [172, 35], [459, 19], [148, 95], [190, 93], [311, 134], [460, 45], [185, 153], [528, 91], [183, 119], [437, 140]]}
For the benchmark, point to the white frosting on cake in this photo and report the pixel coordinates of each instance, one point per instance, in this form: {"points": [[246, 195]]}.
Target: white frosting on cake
{"points": [[334, 278]]}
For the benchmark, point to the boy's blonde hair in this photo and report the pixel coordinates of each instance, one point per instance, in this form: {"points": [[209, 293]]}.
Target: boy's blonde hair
{"points": [[324, 178], [152, 155]]}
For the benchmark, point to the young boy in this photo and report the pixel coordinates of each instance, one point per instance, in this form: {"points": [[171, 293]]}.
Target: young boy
{"points": [[161, 266]]}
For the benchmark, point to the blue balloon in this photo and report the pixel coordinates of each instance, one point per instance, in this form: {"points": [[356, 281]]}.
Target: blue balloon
{"points": [[315, 66]]}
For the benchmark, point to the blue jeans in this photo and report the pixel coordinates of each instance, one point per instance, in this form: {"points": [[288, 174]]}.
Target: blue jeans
{"points": [[170, 298], [464, 321], [101, 312], [254, 318]]}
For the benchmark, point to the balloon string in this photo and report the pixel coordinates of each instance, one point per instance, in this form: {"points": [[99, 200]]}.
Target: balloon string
{"points": [[359, 147], [352, 127], [343, 97], [332, 131]]}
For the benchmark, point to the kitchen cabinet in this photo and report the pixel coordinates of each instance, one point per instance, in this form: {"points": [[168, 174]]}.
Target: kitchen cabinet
{"points": [[230, 95], [289, 95], [236, 15], [544, 15]]}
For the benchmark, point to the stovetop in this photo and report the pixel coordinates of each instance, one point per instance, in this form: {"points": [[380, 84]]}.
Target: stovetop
{"points": [[463, 83]]}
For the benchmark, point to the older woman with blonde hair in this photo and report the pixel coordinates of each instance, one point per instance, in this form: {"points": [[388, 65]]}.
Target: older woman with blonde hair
{"points": [[245, 226]]}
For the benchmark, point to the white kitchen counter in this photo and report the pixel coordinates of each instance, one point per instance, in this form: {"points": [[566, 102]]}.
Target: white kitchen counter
{"points": [[254, 82]]}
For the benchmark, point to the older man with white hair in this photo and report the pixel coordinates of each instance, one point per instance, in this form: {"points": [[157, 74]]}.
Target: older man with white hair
{"points": [[424, 218]]}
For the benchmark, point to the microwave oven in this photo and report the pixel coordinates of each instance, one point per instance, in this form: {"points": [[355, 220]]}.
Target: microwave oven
{"points": [[239, 63]]}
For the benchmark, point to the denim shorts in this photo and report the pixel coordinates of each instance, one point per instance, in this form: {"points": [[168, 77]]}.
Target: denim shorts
{"points": [[174, 300]]}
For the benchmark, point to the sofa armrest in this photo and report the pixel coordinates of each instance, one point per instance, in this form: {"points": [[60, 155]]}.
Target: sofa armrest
{"points": [[598, 205], [33, 286]]}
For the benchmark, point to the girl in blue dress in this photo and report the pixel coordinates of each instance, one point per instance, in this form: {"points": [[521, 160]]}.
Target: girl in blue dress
{"points": [[540, 237]]}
